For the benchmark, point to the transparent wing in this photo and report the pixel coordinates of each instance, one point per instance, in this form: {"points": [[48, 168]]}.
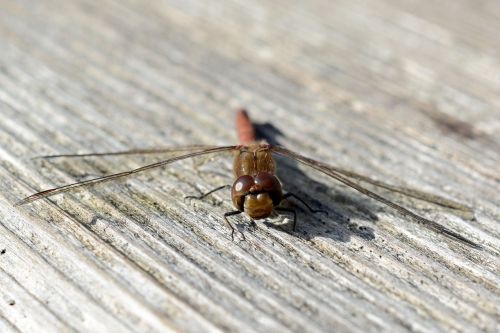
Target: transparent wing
{"points": [[65, 188], [335, 174], [133, 152], [461, 209]]}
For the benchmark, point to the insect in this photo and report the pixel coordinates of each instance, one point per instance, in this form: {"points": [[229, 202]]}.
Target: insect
{"points": [[256, 190]]}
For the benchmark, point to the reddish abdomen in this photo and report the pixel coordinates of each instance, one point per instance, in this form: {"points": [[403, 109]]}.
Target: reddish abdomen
{"points": [[246, 131]]}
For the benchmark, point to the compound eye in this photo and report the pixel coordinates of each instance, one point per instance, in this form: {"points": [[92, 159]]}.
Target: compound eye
{"points": [[240, 188], [242, 185], [268, 182], [271, 185]]}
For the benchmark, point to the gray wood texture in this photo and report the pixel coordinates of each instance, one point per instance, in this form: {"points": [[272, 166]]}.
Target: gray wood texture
{"points": [[403, 91]]}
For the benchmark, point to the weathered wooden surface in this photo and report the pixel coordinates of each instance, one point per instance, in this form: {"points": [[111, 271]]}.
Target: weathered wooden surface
{"points": [[400, 90]]}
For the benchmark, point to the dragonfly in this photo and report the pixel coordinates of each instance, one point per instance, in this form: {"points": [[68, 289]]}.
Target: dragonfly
{"points": [[256, 190]]}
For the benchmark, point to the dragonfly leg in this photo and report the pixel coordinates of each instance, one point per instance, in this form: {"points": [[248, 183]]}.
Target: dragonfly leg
{"points": [[314, 211], [233, 229], [290, 210], [200, 197]]}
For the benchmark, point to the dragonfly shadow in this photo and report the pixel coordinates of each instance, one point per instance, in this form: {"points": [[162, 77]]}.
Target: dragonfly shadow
{"points": [[342, 209]]}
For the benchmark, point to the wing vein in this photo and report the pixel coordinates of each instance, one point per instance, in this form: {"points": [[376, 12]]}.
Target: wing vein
{"points": [[94, 181], [332, 172]]}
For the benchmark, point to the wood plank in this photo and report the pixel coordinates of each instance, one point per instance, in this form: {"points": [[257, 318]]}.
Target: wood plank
{"points": [[405, 92]]}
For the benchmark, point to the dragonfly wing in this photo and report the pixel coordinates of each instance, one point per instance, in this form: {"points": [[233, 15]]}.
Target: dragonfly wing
{"points": [[65, 188], [133, 152], [328, 170], [463, 210]]}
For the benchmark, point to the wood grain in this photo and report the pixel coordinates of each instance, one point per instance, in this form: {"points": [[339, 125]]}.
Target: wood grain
{"points": [[403, 91]]}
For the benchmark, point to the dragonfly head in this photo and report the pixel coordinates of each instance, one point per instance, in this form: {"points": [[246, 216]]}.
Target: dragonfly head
{"points": [[257, 196]]}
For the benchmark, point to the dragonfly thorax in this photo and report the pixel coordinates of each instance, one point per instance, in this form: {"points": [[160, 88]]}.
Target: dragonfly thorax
{"points": [[252, 159]]}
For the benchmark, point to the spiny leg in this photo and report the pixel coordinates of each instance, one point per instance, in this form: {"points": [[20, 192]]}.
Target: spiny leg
{"points": [[290, 210], [200, 197], [314, 211], [234, 212]]}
